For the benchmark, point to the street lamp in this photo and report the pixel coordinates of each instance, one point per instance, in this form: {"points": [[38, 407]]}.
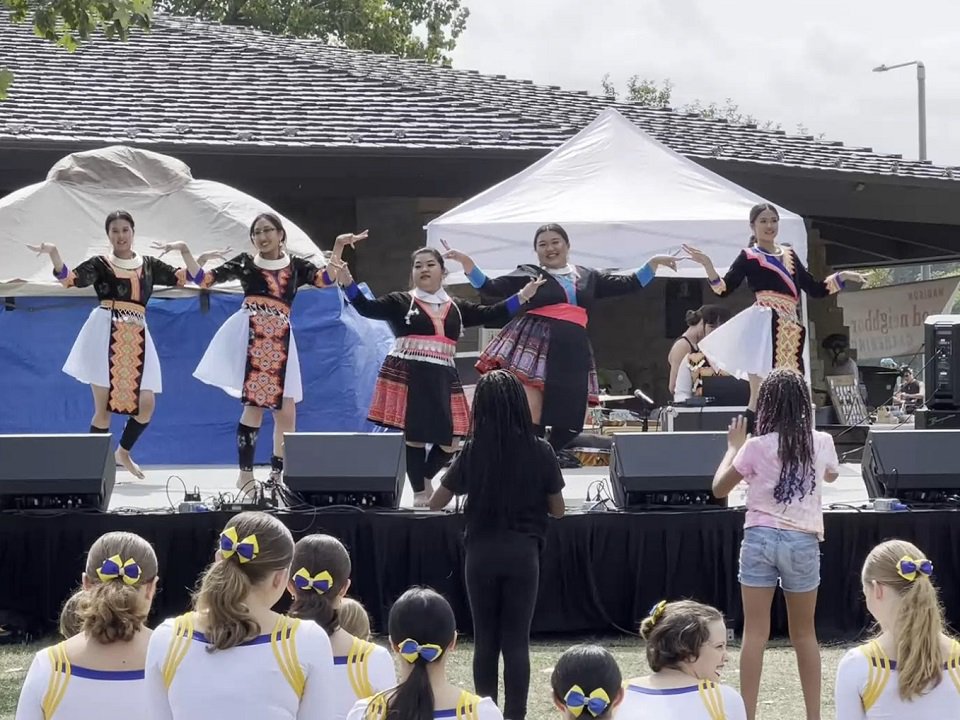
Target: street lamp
{"points": [[921, 98]]}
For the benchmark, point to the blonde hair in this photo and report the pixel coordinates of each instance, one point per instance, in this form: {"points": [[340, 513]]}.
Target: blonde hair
{"points": [[69, 622], [919, 621], [354, 618], [112, 610], [675, 632], [227, 582]]}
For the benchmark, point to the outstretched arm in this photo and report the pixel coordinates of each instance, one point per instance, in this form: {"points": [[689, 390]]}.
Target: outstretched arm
{"points": [[382, 308], [822, 288], [610, 285], [84, 275], [729, 282], [499, 288], [474, 314]]}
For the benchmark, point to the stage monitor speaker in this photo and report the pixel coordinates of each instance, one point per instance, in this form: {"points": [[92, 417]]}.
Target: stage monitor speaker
{"points": [[666, 468], [942, 361], [359, 469], [56, 472], [914, 466]]}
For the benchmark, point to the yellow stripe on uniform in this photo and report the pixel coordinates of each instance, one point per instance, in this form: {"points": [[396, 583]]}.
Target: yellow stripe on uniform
{"points": [[467, 706], [59, 679], [179, 644], [712, 697], [358, 668], [953, 664], [878, 666], [284, 645], [377, 707]]}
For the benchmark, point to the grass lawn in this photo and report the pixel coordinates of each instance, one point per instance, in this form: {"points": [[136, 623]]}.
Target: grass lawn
{"points": [[779, 695]]}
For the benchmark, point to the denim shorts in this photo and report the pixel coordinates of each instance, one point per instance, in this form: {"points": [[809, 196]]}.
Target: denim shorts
{"points": [[768, 555]]}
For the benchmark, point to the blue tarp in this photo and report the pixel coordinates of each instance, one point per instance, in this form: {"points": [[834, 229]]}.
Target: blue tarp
{"points": [[194, 423]]}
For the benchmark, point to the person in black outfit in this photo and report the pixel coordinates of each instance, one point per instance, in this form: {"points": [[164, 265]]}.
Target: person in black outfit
{"points": [[512, 482], [910, 394]]}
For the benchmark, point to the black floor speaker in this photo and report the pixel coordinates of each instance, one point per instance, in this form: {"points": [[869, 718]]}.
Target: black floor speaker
{"points": [[357, 469], [56, 472], [666, 468], [916, 465]]}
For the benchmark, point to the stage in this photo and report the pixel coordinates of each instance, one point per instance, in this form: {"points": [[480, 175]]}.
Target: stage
{"points": [[600, 571]]}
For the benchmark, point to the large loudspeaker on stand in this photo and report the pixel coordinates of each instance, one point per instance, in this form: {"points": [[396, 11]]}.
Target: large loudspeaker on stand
{"points": [[919, 467], [364, 470], [56, 472], [661, 468], [942, 361]]}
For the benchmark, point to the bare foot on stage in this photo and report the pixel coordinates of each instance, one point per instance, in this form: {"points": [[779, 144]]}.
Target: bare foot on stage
{"points": [[123, 458], [422, 499], [247, 486]]}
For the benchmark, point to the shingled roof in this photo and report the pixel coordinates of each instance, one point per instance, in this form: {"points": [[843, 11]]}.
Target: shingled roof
{"points": [[193, 83]]}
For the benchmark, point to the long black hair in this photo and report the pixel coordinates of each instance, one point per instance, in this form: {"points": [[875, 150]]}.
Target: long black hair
{"points": [[783, 407], [315, 599], [755, 213], [589, 668], [424, 616], [496, 462]]}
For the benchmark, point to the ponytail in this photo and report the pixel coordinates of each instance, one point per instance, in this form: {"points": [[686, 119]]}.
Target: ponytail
{"points": [[321, 566], [919, 627], [221, 596], [111, 612], [413, 698]]}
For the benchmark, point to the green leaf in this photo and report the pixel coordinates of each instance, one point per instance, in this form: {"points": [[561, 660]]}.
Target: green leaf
{"points": [[6, 80]]}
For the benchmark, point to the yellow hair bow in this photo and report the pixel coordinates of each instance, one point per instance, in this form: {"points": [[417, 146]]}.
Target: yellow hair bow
{"points": [[410, 650], [656, 612], [908, 568], [596, 702], [321, 582], [245, 550], [115, 567]]}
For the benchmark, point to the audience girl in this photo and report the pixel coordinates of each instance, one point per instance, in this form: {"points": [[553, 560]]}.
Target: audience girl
{"points": [[687, 650], [321, 578], [912, 668], [785, 467], [106, 657], [423, 634], [586, 683], [206, 663]]}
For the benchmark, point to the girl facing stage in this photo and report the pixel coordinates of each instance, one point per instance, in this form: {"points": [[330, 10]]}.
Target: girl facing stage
{"points": [[418, 389], [253, 355], [318, 587], [769, 334], [912, 668], [586, 683], [105, 658], [547, 346], [114, 353]]}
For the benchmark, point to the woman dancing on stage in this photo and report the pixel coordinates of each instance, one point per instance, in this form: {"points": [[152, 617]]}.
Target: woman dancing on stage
{"points": [[253, 355], [418, 389], [114, 353], [769, 334], [547, 347]]}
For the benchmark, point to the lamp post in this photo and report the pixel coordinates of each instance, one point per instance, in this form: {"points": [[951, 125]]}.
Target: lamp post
{"points": [[921, 98]]}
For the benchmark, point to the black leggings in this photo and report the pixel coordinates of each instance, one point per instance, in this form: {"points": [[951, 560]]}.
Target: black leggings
{"points": [[503, 575]]}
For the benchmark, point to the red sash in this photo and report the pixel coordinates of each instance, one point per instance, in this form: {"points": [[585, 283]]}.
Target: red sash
{"points": [[563, 311]]}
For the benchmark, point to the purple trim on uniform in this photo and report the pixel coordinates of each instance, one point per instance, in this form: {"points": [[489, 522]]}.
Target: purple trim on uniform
{"points": [[258, 640], [198, 278], [340, 659], [88, 674], [513, 304], [716, 282], [62, 275], [325, 276], [352, 290], [663, 691], [645, 275], [476, 277]]}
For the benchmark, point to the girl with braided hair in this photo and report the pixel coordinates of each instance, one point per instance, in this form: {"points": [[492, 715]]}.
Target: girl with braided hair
{"points": [[784, 467], [912, 668]]}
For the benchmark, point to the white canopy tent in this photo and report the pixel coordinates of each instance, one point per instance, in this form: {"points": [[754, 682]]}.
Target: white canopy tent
{"points": [[622, 197], [167, 204]]}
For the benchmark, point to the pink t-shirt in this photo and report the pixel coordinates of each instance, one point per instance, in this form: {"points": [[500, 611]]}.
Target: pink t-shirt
{"points": [[760, 466]]}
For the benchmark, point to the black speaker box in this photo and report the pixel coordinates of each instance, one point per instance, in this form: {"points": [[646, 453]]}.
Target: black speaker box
{"points": [[661, 468], [942, 361], [359, 469], [56, 472], [920, 466]]}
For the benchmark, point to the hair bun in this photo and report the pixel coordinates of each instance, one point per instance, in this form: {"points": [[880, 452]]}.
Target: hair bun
{"points": [[693, 317]]}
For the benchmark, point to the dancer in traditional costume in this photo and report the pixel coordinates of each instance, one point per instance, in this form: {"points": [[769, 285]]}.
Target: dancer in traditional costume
{"points": [[769, 334], [253, 355], [114, 352], [418, 389], [547, 347], [693, 367]]}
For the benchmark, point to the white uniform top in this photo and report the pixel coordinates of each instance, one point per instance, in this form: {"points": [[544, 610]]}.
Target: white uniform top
{"points": [[867, 688], [366, 670], [471, 707], [285, 675], [705, 701], [54, 688]]}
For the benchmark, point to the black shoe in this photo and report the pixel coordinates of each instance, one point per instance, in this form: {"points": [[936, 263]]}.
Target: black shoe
{"points": [[567, 460]]}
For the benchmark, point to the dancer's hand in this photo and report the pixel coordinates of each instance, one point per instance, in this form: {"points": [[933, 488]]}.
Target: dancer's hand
{"points": [[351, 239], [698, 256], [659, 261], [530, 289], [465, 260], [737, 433], [43, 248], [210, 254], [343, 276], [851, 276], [169, 247]]}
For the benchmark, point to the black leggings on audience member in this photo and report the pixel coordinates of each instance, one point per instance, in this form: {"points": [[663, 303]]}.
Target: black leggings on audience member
{"points": [[503, 575]]}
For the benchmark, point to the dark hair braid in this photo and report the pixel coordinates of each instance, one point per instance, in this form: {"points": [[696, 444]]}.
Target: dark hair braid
{"points": [[783, 407]]}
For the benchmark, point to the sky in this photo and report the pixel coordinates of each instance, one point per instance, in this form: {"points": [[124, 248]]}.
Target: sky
{"points": [[793, 63]]}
